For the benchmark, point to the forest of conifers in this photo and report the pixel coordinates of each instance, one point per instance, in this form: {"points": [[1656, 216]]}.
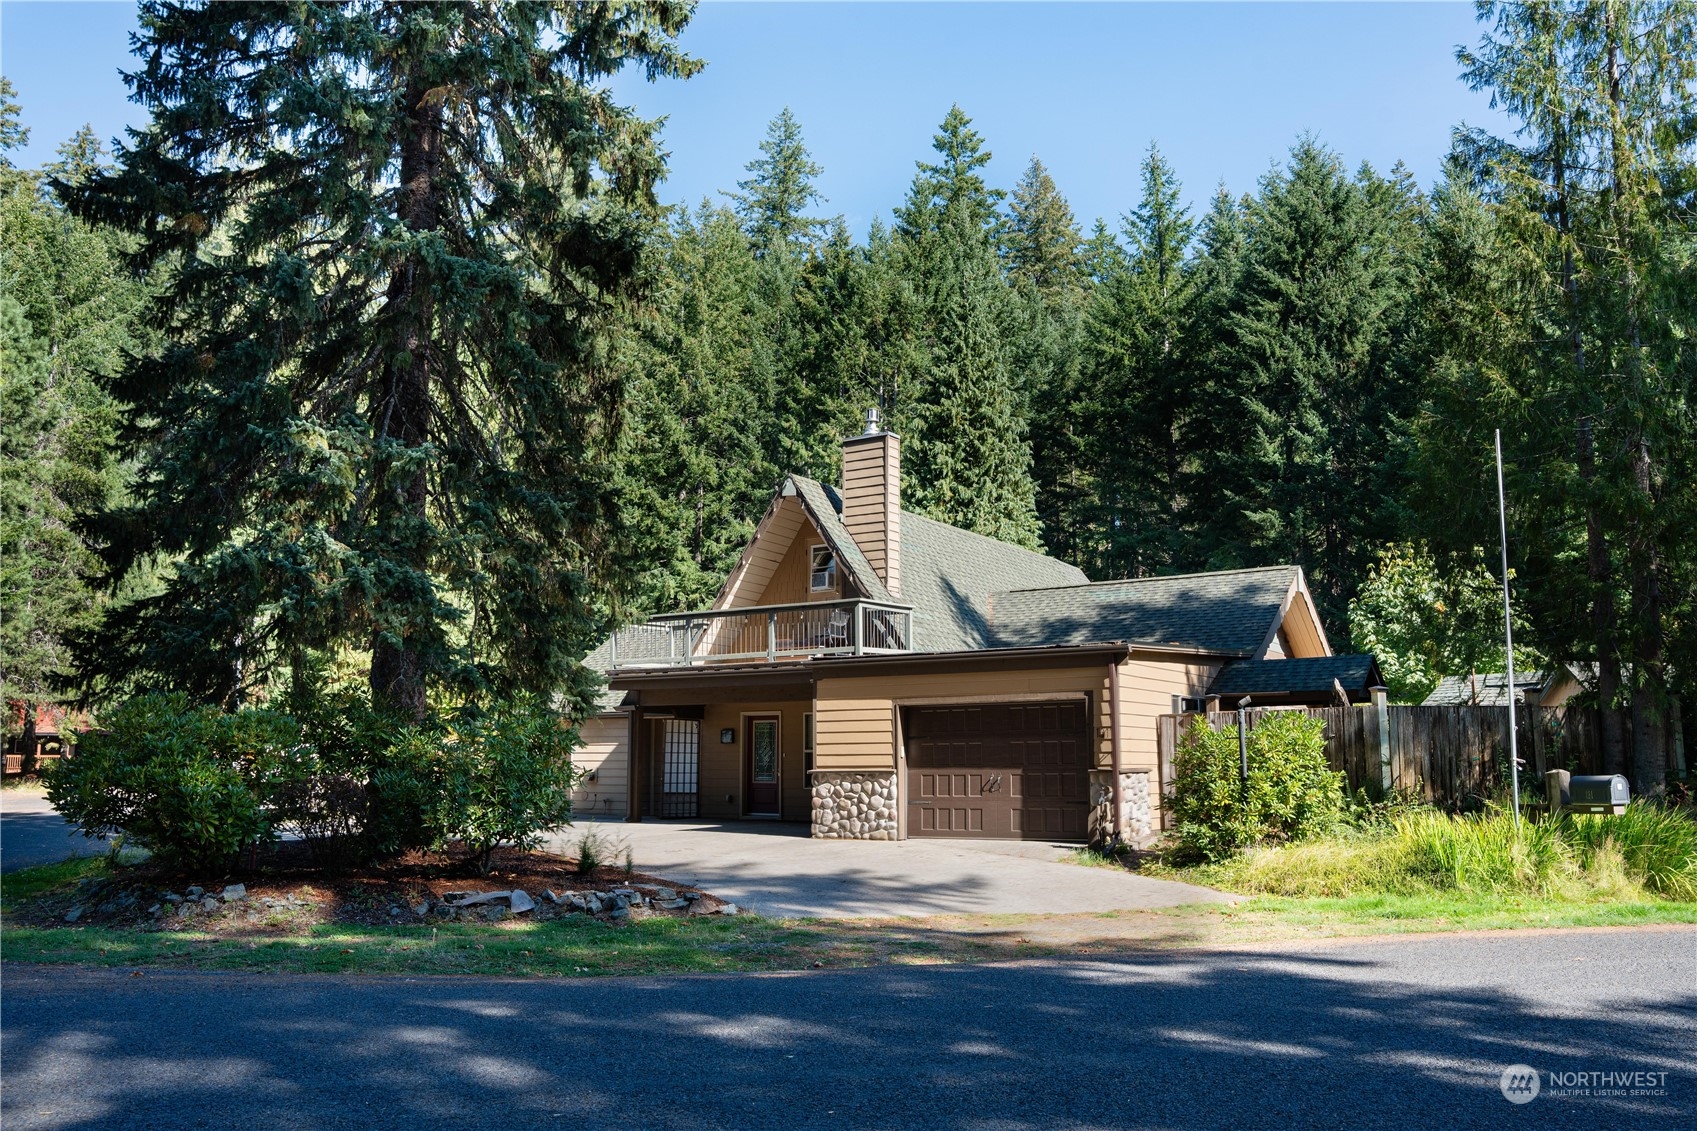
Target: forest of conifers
{"points": [[409, 381]]}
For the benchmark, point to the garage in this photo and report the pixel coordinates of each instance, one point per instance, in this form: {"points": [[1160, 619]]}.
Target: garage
{"points": [[1005, 771]]}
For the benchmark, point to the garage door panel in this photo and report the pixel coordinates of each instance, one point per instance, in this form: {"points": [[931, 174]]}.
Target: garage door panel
{"points": [[998, 770]]}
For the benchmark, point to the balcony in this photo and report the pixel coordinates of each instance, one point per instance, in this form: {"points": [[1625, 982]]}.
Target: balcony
{"points": [[764, 634]]}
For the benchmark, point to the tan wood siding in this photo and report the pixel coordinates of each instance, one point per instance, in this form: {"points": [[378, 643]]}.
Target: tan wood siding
{"points": [[764, 554], [603, 747], [1147, 688], [1302, 629], [722, 773], [872, 504], [790, 582]]}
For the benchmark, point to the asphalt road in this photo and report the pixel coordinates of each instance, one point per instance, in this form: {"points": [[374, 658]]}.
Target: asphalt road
{"points": [[32, 833], [1397, 1033]]}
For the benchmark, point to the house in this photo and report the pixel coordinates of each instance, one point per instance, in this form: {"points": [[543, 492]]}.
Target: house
{"points": [[883, 675], [1490, 689]]}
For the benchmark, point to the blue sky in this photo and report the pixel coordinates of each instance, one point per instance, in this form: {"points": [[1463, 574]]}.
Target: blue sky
{"points": [[1224, 89]]}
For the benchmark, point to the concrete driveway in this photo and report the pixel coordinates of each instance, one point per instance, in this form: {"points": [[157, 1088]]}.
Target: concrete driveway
{"points": [[779, 871]]}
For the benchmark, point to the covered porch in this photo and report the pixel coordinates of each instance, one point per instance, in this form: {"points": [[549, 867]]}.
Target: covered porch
{"points": [[722, 744]]}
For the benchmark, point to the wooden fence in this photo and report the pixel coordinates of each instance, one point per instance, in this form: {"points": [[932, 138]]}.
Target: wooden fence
{"points": [[1447, 754]]}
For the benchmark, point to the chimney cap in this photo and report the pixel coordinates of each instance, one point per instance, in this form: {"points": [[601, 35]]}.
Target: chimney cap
{"points": [[873, 424]]}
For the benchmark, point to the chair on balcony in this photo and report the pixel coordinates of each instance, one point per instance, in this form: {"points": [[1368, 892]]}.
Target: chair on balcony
{"points": [[836, 630]]}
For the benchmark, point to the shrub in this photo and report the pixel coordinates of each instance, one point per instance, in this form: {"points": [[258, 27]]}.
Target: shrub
{"points": [[1292, 792], [359, 787], [185, 782], [506, 777]]}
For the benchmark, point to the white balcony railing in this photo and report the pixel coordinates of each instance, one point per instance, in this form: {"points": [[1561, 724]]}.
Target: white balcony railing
{"points": [[767, 633]]}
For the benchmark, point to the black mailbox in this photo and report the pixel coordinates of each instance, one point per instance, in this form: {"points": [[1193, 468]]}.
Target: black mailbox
{"points": [[1598, 793]]}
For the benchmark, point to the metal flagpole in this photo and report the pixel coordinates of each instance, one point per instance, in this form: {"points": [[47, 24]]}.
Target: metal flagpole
{"points": [[1508, 635]]}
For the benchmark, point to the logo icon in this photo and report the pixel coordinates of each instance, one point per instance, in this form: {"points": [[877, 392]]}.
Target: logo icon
{"points": [[1520, 1083]]}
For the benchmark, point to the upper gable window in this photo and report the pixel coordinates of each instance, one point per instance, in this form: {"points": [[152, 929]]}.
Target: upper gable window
{"points": [[824, 574]]}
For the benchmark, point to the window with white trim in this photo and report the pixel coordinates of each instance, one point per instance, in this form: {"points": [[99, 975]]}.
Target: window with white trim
{"points": [[824, 574]]}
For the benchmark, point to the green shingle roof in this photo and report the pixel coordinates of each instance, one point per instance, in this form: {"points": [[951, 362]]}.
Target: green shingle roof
{"points": [[1231, 611], [949, 576], [1277, 677]]}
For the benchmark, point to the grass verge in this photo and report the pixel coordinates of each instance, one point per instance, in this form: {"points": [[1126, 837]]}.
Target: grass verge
{"points": [[581, 947]]}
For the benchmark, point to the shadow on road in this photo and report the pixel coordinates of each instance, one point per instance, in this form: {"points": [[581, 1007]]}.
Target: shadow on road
{"points": [[1389, 1034]]}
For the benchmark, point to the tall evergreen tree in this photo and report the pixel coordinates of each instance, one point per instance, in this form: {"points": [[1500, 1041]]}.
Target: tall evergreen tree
{"points": [[780, 189], [69, 316], [1139, 321], [1306, 394], [972, 466], [1042, 239], [406, 238], [1594, 194], [697, 473]]}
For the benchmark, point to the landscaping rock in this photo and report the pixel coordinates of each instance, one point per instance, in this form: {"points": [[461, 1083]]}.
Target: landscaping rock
{"points": [[576, 902], [156, 909], [494, 912], [619, 913], [73, 915], [210, 903], [729, 909], [172, 897], [185, 909], [521, 902], [671, 904], [196, 893], [665, 893], [699, 908], [692, 896], [235, 892], [421, 909], [473, 898], [548, 894]]}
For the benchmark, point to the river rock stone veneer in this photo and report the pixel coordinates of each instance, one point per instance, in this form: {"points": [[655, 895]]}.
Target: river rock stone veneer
{"points": [[1139, 801], [854, 806]]}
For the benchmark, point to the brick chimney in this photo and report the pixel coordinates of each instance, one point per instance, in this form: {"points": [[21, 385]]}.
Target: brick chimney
{"points": [[872, 498]]}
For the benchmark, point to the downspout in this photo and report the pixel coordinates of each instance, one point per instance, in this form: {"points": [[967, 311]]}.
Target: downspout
{"points": [[1118, 787]]}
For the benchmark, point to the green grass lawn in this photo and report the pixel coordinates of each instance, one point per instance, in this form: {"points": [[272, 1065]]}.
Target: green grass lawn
{"points": [[578, 946]]}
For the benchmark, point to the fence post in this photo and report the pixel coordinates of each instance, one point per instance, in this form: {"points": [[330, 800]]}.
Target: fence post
{"points": [[1382, 712]]}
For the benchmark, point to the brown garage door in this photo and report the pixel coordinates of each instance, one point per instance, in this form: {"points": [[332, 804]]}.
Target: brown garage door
{"points": [[1017, 771]]}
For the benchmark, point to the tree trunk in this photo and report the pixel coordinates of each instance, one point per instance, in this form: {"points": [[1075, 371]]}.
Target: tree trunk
{"points": [[1649, 699], [1603, 620], [402, 414], [28, 743]]}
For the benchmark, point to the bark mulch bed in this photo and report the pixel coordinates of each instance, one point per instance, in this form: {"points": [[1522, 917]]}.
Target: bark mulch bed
{"points": [[282, 893]]}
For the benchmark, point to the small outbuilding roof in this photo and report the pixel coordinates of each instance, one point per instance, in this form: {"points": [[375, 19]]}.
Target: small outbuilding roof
{"points": [[1314, 676]]}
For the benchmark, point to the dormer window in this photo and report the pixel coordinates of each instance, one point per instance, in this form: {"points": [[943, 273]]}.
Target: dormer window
{"points": [[824, 575]]}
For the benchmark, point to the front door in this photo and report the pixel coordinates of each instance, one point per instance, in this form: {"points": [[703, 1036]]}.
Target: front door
{"points": [[761, 754]]}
